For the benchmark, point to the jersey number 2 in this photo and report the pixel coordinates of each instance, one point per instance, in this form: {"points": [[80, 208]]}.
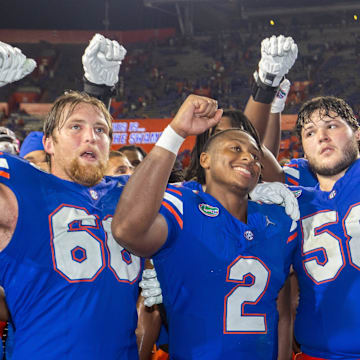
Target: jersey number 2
{"points": [[252, 277]]}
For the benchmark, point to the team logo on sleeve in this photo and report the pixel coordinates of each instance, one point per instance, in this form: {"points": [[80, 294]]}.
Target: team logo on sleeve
{"points": [[209, 210], [297, 193]]}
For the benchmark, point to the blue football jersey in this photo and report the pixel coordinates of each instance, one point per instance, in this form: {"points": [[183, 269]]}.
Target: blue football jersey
{"points": [[327, 263], [194, 185], [70, 288], [220, 277], [298, 172]]}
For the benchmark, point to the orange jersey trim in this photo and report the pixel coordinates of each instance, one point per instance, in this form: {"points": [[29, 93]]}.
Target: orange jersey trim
{"points": [[4, 174], [291, 237], [294, 182], [302, 356], [174, 191], [177, 217]]}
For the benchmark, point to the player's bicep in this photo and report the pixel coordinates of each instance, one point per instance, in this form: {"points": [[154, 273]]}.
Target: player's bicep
{"points": [[166, 225], [154, 238], [9, 214]]}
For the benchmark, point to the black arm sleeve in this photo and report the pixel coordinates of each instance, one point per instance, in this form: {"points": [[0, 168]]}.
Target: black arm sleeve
{"points": [[101, 92], [263, 93]]}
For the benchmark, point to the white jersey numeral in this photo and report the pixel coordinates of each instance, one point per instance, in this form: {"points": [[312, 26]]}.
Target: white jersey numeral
{"points": [[352, 228], [252, 277], [78, 254], [124, 265], [318, 238]]}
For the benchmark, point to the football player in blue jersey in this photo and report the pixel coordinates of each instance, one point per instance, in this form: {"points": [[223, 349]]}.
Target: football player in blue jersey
{"points": [[328, 320], [70, 288], [221, 303], [14, 65], [327, 261]]}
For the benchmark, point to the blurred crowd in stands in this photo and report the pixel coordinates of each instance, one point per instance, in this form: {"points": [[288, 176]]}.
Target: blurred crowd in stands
{"points": [[156, 77]]}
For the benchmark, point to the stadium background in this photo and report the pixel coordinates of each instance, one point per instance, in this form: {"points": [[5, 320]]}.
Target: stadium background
{"points": [[177, 47]]}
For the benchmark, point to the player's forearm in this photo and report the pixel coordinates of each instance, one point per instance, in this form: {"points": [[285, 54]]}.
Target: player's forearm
{"points": [[258, 114], [285, 326], [4, 311], [148, 329], [140, 202], [272, 134], [271, 171]]}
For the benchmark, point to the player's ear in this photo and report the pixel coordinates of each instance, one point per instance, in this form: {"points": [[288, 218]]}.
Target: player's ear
{"points": [[205, 160], [357, 135], [48, 143]]}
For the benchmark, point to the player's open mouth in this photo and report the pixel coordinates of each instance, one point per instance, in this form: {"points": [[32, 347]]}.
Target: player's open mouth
{"points": [[88, 155]]}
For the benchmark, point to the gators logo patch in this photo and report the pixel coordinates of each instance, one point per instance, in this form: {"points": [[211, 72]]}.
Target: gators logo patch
{"points": [[209, 210], [297, 193]]}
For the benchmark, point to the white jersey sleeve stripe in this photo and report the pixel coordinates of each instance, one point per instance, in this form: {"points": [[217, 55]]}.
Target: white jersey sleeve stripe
{"points": [[174, 201], [292, 172], [3, 163]]}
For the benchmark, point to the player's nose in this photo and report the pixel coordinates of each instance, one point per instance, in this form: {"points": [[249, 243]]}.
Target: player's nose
{"points": [[322, 135], [90, 134]]}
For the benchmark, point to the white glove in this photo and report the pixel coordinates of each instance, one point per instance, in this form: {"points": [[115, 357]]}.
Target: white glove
{"points": [[102, 59], [14, 65], [277, 193], [279, 101], [151, 290], [278, 55]]}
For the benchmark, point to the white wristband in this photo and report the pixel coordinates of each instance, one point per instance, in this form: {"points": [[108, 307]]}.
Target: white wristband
{"points": [[170, 140]]}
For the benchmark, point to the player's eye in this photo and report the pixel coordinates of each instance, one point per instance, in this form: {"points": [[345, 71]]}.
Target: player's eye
{"points": [[75, 127], [100, 130], [122, 170], [236, 148]]}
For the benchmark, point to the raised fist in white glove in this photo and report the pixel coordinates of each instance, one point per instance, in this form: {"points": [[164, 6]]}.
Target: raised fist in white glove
{"points": [[278, 104], [151, 290], [277, 193], [278, 55], [14, 65], [102, 59]]}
